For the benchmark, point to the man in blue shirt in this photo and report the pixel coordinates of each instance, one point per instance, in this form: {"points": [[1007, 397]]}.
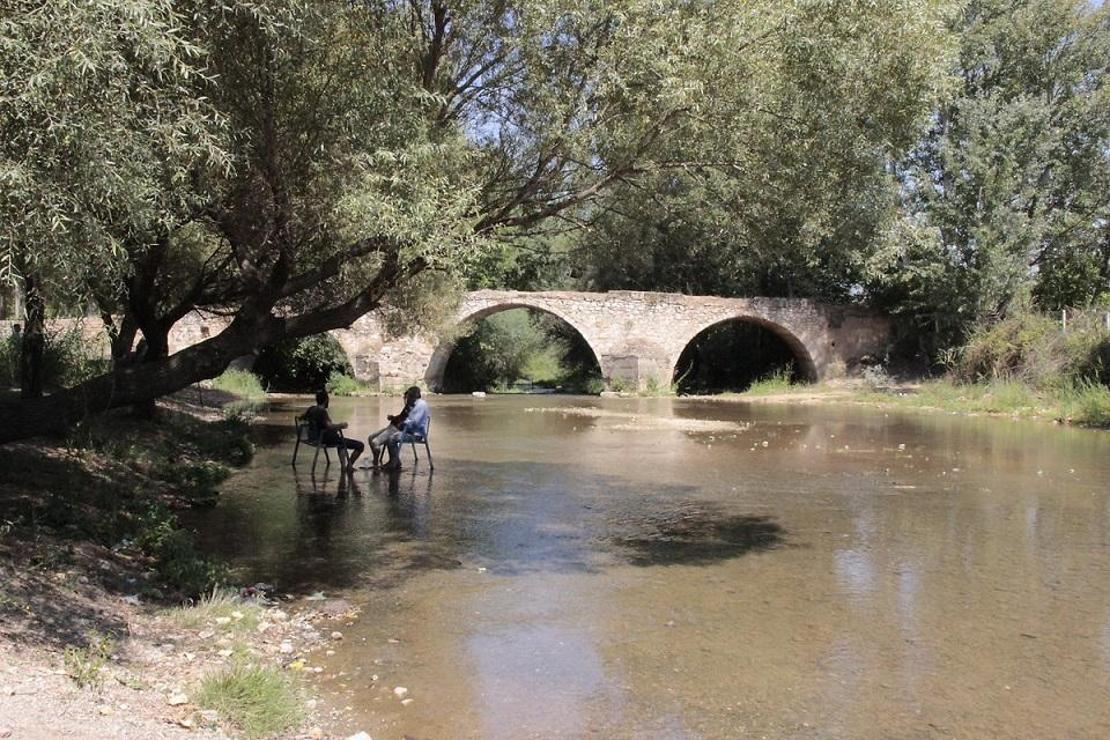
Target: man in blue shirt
{"points": [[410, 424]]}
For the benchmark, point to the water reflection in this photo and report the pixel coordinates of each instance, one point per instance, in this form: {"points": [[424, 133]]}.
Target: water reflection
{"points": [[788, 571]]}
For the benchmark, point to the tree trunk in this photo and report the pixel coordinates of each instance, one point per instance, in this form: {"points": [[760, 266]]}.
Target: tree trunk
{"points": [[136, 383], [33, 345], [157, 339]]}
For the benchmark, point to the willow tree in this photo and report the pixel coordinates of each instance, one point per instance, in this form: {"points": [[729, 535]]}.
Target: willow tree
{"points": [[338, 152]]}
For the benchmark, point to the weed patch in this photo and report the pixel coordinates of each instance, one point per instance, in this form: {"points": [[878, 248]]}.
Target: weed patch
{"points": [[258, 700], [222, 609], [84, 664]]}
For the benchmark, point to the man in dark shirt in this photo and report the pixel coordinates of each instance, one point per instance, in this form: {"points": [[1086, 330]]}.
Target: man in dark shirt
{"points": [[320, 427]]}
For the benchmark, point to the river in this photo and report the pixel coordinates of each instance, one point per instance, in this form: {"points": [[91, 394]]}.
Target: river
{"points": [[578, 566]]}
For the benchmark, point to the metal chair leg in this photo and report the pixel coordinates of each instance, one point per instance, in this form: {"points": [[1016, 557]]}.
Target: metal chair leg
{"points": [[428, 452], [316, 458], [296, 448], [414, 458]]}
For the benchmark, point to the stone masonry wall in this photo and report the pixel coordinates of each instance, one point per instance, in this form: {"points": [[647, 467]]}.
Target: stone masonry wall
{"points": [[636, 336]]}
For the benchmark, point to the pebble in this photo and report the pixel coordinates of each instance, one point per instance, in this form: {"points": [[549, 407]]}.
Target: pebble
{"points": [[286, 647], [316, 733], [278, 615], [5, 732], [311, 703], [207, 717], [206, 634], [337, 635], [400, 692], [176, 699], [330, 653], [360, 736], [406, 702], [263, 626], [223, 621], [224, 653], [104, 710]]}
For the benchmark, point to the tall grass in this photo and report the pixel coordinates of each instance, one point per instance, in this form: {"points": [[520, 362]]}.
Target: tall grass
{"points": [[259, 700], [220, 608], [242, 383], [777, 381]]}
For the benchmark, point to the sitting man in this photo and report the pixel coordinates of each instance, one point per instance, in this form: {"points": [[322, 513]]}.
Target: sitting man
{"points": [[320, 427], [410, 424], [382, 438]]}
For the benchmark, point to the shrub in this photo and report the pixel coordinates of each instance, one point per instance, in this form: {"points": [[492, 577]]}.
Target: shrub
{"points": [[180, 566], [594, 386], [259, 700], [341, 384], [1033, 348], [302, 364], [67, 361]]}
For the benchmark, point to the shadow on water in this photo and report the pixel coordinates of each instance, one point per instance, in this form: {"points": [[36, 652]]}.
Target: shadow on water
{"points": [[511, 518], [700, 537]]}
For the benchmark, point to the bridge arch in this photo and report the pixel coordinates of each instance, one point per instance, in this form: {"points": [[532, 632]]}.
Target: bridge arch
{"points": [[807, 366], [469, 318]]}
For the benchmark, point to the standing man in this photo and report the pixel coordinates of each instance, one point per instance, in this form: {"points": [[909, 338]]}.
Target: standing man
{"points": [[320, 427]]}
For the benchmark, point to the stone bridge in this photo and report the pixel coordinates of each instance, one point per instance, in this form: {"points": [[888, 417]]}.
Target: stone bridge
{"points": [[637, 337]]}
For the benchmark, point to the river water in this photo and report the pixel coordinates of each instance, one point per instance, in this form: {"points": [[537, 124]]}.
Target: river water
{"points": [[697, 569]]}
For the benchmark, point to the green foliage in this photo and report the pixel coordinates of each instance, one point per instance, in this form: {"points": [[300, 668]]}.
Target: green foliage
{"points": [[1032, 348], [1086, 403], [180, 566], [618, 384], [341, 384], [1007, 196], [67, 361], [83, 664], [787, 197], [259, 700], [518, 345], [242, 383], [104, 134], [1083, 403], [302, 364]]}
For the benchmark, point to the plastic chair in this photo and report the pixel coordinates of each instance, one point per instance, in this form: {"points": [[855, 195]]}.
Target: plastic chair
{"points": [[305, 436], [410, 438]]}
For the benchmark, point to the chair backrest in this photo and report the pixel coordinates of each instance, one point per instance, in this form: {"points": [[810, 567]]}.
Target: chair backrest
{"points": [[304, 430]]}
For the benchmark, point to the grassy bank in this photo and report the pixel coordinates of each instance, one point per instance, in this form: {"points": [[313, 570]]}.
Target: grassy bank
{"points": [[1084, 405], [110, 616]]}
